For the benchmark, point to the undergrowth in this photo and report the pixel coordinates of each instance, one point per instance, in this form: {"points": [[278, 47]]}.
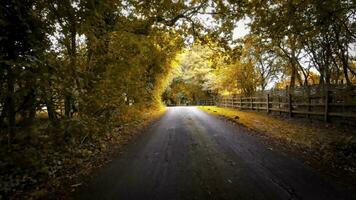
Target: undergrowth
{"points": [[42, 158]]}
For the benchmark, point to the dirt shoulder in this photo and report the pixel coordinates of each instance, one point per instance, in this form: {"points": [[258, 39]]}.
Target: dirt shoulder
{"points": [[326, 147]]}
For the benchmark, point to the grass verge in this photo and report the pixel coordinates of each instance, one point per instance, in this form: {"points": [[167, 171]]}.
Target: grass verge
{"points": [[324, 144]]}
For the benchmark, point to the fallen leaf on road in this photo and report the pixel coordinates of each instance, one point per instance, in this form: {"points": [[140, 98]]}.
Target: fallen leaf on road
{"points": [[76, 185]]}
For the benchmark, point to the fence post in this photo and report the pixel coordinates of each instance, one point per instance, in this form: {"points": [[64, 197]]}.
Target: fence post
{"points": [[308, 101], [290, 105], [326, 113], [309, 106], [279, 105], [267, 103], [251, 102]]}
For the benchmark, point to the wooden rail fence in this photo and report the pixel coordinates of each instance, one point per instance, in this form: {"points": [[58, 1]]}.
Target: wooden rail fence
{"points": [[326, 104], [206, 102]]}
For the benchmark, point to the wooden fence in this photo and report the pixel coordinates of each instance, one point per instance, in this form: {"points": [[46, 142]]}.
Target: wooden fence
{"points": [[206, 102], [323, 104]]}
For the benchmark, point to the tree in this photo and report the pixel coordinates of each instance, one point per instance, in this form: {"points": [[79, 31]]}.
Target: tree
{"points": [[319, 30], [22, 43], [266, 61]]}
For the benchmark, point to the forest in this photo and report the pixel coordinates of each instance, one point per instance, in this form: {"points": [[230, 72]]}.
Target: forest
{"points": [[73, 70]]}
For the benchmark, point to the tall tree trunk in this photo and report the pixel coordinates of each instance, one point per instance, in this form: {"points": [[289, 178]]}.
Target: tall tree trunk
{"points": [[67, 106], [345, 66], [51, 111], [29, 108], [321, 77], [343, 55], [293, 75], [327, 77], [31, 115], [327, 63], [10, 103], [2, 116], [68, 99]]}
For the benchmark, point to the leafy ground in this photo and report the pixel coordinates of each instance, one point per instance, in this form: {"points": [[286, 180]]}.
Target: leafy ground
{"points": [[324, 145], [40, 165]]}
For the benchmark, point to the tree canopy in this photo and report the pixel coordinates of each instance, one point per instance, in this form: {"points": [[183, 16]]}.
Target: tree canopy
{"points": [[98, 59], [290, 44], [73, 70]]}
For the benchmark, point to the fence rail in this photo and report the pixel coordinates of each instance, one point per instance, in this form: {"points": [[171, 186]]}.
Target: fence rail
{"points": [[326, 104], [329, 104], [206, 102]]}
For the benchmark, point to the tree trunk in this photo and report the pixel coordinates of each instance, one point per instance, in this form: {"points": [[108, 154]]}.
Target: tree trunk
{"points": [[293, 75], [68, 99], [28, 108], [345, 67], [67, 106], [51, 111], [10, 104]]}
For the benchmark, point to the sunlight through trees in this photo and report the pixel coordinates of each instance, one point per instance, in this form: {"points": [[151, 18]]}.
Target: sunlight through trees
{"points": [[72, 70]]}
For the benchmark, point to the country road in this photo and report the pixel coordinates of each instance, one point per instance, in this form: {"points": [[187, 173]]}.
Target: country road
{"points": [[189, 154]]}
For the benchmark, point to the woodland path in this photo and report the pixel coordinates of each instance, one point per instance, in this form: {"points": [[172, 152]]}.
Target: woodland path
{"points": [[189, 154]]}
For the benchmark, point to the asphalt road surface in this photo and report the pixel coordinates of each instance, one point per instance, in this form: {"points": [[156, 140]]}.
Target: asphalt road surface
{"points": [[189, 154]]}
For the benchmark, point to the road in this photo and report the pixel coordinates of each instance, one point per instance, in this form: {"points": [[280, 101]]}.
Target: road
{"points": [[189, 154]]}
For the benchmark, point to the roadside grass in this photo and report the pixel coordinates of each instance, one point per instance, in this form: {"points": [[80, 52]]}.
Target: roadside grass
{"points": [[330, 145], [42, 164]]}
